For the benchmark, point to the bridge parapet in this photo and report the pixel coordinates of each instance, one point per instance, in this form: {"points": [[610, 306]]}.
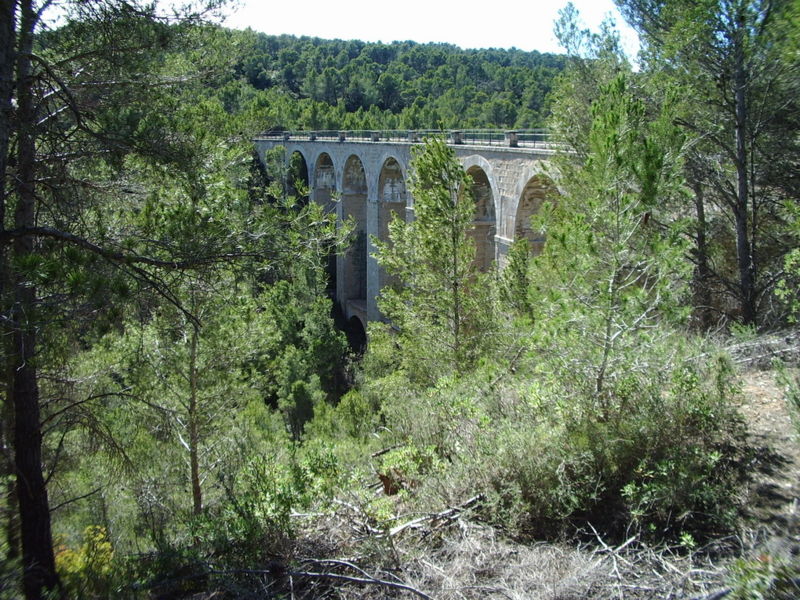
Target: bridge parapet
{"points": [[520, 138]]}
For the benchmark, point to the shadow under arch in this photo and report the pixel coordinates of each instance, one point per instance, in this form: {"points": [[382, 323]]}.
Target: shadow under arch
{"points": [[356, 335], [297, 177], [353, 279], [323, 192], [485, 219], [537, 190]]}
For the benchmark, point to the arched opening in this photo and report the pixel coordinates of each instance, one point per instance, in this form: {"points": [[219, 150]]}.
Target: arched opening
{"points": [[272, 173], [354, 205], [324, 183], [297, 178], [484, 227], [533, 195], [391, 201], [323, 194], [356, 335]]}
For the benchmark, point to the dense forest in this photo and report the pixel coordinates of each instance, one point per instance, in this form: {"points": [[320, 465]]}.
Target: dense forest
{"points": [[182, 417], [319, 84]]}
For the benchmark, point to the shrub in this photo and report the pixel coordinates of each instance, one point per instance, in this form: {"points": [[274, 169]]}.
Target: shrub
{"points": [[764, 578], [87, 572], [660, 457]]}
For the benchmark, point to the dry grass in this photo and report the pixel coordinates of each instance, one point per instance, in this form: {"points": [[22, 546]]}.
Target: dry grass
{"points": [[462, 560]]}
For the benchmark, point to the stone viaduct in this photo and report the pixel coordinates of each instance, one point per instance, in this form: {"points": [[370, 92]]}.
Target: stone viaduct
{"points": [[363, 175]]}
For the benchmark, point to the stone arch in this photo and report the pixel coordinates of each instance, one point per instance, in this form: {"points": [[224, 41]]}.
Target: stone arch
{"points": [[298, 177], [392, 198], [485, 220], [470, 163], [323, 185], [323, 192], [354, 205], [536, 190], [538, 168]]}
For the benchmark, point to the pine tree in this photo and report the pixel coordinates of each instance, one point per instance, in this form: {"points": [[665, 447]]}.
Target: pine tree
{"points": [[441, 306], [736, 64]]}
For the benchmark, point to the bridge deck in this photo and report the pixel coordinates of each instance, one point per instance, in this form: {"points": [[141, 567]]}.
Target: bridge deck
{"points": [[523, 138]]}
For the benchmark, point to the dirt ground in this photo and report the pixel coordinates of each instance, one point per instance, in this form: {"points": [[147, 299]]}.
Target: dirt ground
{"points": [[774, 503]]}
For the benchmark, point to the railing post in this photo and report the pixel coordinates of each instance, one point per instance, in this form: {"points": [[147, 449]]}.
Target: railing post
{"points": [[286, 136], [512, 139], [412, 136], [312, 136], [342, 136], [375, 136], [457, 137]]}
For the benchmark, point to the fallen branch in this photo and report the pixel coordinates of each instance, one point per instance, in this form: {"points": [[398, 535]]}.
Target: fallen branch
{"points": [[360, 580], [445, 515], [386, 450], [278, 570]]}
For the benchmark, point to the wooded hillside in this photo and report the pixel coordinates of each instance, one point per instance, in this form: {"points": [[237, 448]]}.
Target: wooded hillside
{"points": [[330, 84]]}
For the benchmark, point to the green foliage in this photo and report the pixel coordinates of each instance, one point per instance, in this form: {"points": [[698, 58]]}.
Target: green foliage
{"points": [[735, 66], [593, 61], [202, 412], [333, 84], [170, 388], [441, 307], [515, 283], [787, 287], [607, 275], [764, 578], [550, 456], [87, 572], [256, 520], [577, 419]]}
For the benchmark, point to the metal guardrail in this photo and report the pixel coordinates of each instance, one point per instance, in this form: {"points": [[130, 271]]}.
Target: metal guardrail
{"points": [[520, 138]]}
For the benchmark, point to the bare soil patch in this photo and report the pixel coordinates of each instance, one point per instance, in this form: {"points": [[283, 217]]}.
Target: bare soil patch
{"points": [[773, 504]]}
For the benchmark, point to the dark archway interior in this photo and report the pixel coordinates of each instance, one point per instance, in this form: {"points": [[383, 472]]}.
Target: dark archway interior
{"points": [[356, 335], [297, 178], [354, 205]]}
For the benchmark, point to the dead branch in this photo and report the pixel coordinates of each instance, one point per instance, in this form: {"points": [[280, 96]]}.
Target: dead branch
{"points": [[386, 450], [444, 516], [361, 581]]}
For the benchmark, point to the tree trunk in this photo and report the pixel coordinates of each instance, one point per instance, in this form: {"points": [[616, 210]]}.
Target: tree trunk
{"points": [[703, 299], [7, 39], [11, 523], [194, 434], [39, 573], [747, 294]]}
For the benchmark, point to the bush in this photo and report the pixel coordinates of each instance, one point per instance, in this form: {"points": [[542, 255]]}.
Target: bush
{"points": [[87, 572], [255, 523], [657, 454], [764, 578]]}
